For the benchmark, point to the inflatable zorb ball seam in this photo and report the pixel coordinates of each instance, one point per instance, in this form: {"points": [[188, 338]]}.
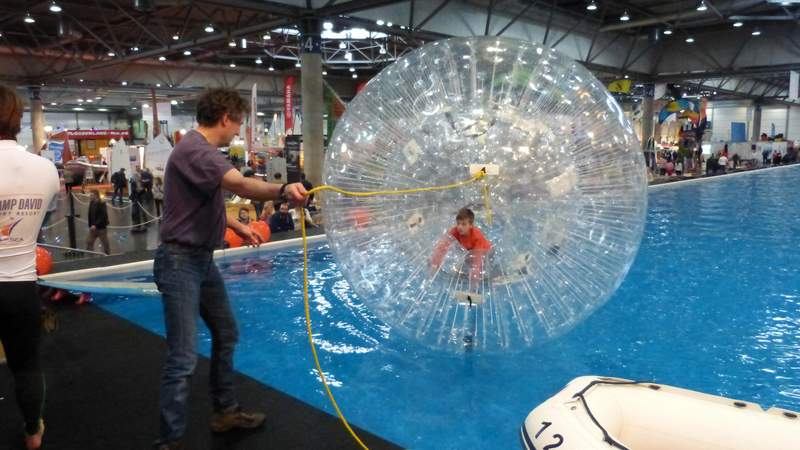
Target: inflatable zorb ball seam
{"points": [[567, 203]]}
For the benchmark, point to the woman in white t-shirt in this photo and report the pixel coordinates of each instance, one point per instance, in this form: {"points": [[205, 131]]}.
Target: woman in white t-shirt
{"points": [[28, 183]]}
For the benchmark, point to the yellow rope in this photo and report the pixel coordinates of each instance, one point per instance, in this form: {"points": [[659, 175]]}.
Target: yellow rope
{"points": [[306, 302]]}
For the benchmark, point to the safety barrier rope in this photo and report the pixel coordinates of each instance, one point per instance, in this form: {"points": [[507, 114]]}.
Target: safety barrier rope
{"points": [[306, 304]]}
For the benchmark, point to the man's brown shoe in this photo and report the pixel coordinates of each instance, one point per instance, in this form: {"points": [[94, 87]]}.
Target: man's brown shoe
{"points": [[223, 421]]}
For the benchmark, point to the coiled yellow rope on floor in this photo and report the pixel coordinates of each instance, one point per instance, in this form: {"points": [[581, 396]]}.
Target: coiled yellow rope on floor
{"points": [[306, 304]]}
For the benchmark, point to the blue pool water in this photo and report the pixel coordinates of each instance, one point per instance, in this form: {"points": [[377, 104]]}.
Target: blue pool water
{"points": [[711, 303]]}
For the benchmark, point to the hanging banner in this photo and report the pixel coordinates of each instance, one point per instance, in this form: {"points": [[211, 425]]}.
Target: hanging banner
{"points": [[288, 108], [251, 130], [291, 151], [156, 155], [97, 134], [620, 86], [794, 85], [120, 158]]}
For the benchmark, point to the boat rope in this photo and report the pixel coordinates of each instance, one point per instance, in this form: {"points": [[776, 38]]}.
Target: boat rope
{"points": [[580, 395]]}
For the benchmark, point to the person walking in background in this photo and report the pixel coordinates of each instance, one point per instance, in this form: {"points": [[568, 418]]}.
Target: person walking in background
{"points": [[147, 185], [118, 180], [33, 183], [193, 225], [98, 222], [136, 209], [158, 195]]}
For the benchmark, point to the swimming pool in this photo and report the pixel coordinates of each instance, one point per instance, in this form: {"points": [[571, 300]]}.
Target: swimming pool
{"points": [[711, 303]]}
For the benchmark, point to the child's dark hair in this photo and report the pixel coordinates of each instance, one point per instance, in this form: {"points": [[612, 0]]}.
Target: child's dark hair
{"points": [[465, 214]]}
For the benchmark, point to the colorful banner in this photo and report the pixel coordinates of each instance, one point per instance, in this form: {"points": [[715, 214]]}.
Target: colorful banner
{"points": [[288, 109], [684, 109], [334, 107], [98, 134], [156, 155], [620, 86]]}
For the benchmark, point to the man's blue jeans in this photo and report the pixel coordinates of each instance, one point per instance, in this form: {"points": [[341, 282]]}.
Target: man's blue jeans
{"points": [[190, 284]]}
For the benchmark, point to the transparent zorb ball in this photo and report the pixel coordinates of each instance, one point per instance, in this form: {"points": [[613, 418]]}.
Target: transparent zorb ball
{"points": [[566, 209]]}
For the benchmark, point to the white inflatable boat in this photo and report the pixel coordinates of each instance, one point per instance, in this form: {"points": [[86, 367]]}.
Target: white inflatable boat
{"points": [[612, 413]]}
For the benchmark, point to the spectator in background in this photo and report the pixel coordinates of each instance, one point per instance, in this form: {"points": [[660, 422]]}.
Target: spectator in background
{"points": [[711, 165], [281, 220], [119, 180], [776, 158], [765, 155], [736, 160], [147, 184], [763, 137], [244, 216], [158, 195], [722, 162], [98, 223], [136, 209], [267, 212]]}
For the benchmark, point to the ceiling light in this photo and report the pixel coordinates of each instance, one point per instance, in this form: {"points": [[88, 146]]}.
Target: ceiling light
{"points": [[209, 28], [232, 43], [737, 24], [102, 109], [379, 22], [112, 54], [382, 51], [327, 26], [756, 32], [187, 53], [271, 69], [158, 84], [232, 65], [175, 37], [53, 104], [689, 39], [162, 58], [135, 49], [592, 6], [342, 45], [173, 102], [348, 56], [54, 7], [352, 69], [260, 114], [88, 100], [625, 17], [133, 107], [267, 37], [98, 98], [77, 109], [80, 100], [715, 92], [124, 83], [297, 64], [81, 80], [145, 105], [29, 19], [388, 24], [324, 72], [668, 31], [244, 43], [702, 6], [355, 76], [259, 61], [402, 27], [626, 77]]}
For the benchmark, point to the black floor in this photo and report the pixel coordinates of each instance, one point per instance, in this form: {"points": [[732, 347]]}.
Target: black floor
{"points": [[102, 393]]}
